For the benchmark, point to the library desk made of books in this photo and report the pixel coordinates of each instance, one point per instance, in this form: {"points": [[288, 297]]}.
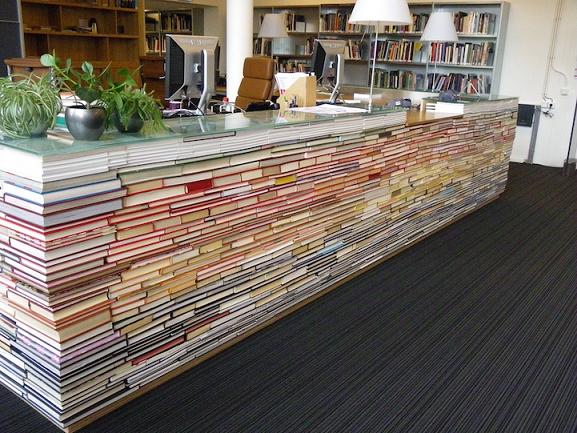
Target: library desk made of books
{"points": [[128, 260]]}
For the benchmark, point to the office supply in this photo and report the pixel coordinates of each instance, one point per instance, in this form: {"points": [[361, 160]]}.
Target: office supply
{"points": [[191, 69], [328, 64], [298, 88], [257, 81], [391, 12]]}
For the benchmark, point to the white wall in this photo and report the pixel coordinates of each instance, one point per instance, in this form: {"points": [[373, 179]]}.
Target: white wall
{"points": [[524, 68]]}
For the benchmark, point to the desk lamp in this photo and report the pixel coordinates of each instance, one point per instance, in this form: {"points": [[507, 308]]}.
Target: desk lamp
{"points": [[273, 26], [385, 12], [440, 28]]}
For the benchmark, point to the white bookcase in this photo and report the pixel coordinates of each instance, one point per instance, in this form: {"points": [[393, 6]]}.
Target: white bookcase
{"points": [[404, 62]]}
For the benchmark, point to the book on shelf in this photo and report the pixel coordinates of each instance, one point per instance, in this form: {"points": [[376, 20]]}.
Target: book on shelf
{"points": [[458, 53], [401, 51], [419, 21], [129, 4], [151, 23], [295, 22], [355, 49], [176, 22], [338, 22], [475, 22], [399, 79], [262, 46], [155, 43], [460, 83], [293, 65]]}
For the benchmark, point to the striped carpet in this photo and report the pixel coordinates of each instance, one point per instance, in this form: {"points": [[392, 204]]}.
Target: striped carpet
{"points": [[472, 330]]}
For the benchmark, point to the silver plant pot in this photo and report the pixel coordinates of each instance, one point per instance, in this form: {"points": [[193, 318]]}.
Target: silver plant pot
{"points": [[135, 124], [85, 124]]}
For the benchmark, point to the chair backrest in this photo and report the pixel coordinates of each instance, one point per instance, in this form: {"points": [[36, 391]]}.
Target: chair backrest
{"points": [[256, 85]]}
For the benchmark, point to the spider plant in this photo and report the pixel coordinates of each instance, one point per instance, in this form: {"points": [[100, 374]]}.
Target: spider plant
{"points": [[28, 105]]}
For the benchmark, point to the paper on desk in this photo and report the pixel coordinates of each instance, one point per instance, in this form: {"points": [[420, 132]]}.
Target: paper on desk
{"points": [[329, 109], [286, 79]]}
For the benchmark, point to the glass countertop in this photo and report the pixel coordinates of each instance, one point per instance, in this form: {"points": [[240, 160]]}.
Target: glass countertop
{"points": [[59, 141]]}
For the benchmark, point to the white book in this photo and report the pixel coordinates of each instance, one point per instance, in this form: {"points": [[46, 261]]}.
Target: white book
{"points": [[63, 194], [76, 214]]}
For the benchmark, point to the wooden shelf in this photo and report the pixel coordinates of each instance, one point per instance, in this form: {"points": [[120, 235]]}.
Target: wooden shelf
{"points": [[79, 34], [79, 5], [49, 27]]}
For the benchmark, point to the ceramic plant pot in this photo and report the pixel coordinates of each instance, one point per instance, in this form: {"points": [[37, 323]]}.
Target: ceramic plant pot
{"points": [[135, 124], [85, 124]]}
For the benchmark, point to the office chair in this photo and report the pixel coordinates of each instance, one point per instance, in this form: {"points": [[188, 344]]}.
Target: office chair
{"points": [[257, 83]]}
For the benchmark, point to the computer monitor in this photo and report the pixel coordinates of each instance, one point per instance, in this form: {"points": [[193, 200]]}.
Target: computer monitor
{"points": [[191, 64], [328, 64]]}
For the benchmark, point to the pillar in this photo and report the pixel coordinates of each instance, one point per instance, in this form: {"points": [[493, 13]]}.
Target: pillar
{"points": [[239, 22]]}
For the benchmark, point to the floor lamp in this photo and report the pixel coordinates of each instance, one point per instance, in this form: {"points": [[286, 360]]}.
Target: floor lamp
{"points": [[440, 28], [375, 13]]}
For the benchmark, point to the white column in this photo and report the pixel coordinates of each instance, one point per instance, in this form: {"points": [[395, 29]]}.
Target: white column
{"points": [[239, 16]]}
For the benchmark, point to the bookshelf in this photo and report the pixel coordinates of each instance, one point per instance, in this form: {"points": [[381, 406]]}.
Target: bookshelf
{"points": [[159, 23], [65, 26], [403, 61]]}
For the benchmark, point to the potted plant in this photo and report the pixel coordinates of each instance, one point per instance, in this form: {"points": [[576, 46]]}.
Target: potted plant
{"points": [[87, 119], [130, 108], [28, 105]]}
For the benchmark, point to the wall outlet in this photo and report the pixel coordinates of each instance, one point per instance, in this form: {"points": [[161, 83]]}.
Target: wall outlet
{"points": [[564, 91]]}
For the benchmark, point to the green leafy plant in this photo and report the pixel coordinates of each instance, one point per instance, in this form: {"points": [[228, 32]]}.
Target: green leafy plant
{"points": [[28, 105], [125, 100], [85, 83]]}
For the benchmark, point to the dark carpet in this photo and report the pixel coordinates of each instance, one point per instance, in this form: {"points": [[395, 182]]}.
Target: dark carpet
{"points": [[472, 330]]}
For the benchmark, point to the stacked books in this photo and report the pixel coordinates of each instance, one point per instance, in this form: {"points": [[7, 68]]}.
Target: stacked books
{"points": [[122, 263]]}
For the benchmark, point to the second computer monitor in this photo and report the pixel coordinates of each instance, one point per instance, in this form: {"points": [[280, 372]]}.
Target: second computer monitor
{"points": [[328, 63], [191, 63]]}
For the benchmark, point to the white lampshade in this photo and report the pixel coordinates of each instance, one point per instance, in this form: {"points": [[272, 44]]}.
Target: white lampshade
{"points": [[440, 27], [273, 26], [373, 12]]}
